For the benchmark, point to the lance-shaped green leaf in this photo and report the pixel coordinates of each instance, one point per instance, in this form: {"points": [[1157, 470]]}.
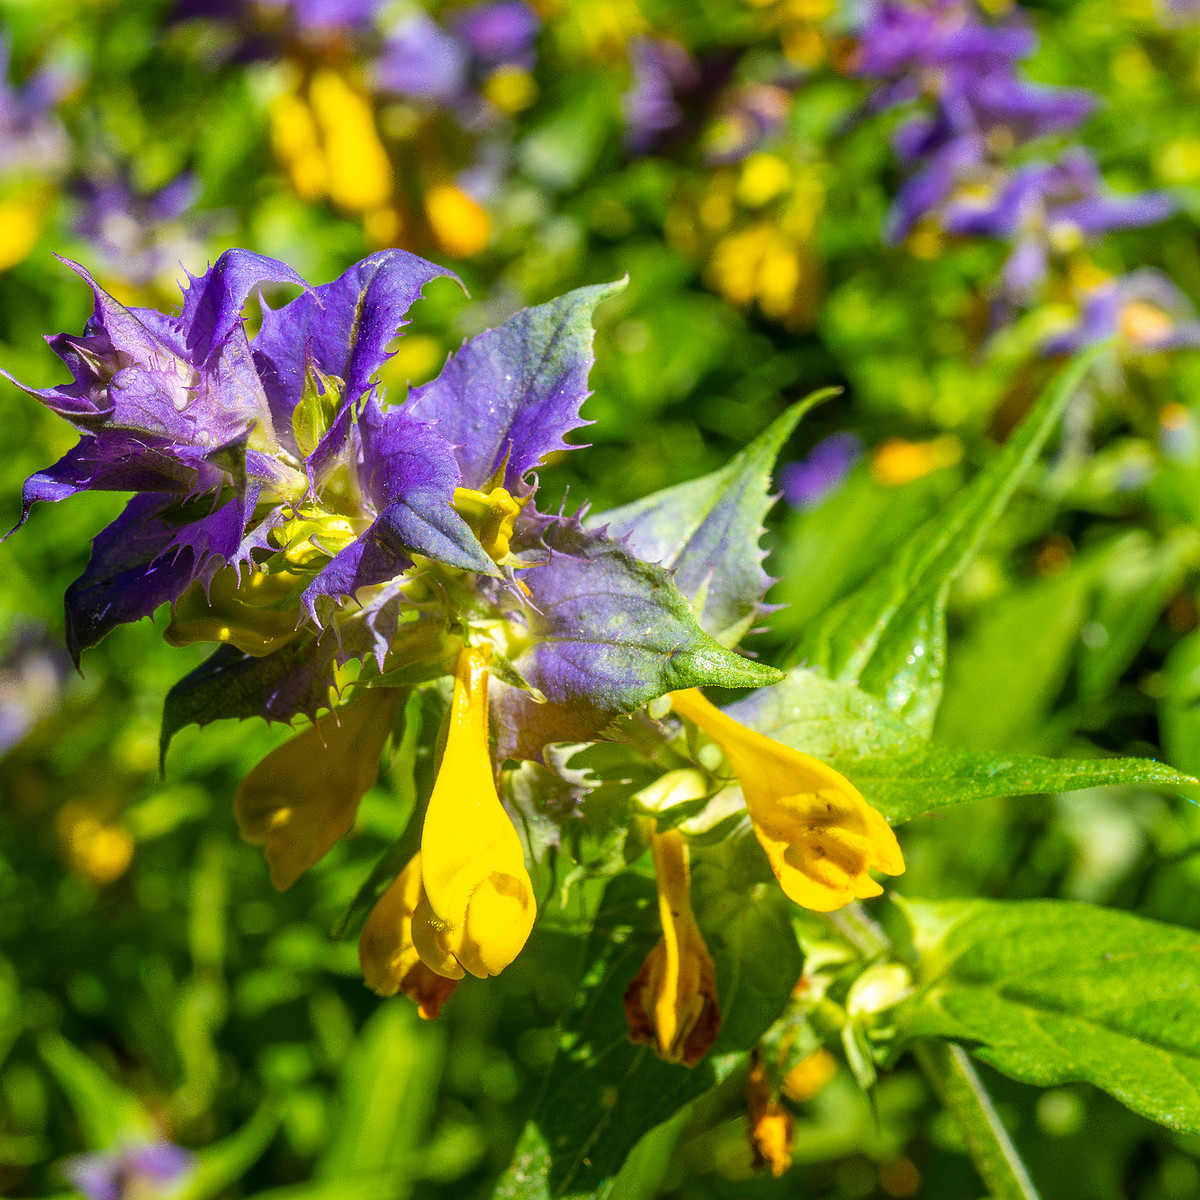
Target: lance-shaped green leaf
{"points": [[606, 633], [603, 1093], [898, 770], [707, 531], [1052, 992], [890, 634]]}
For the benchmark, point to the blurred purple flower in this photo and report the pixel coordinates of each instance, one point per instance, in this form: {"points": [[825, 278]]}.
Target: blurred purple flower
{"points": [[1144, 309], [499, 34], [307, 16], [807, 482], [422, 60], [33, 671], [903, 41], [1047, 206], [31, 137], [132, 1172], [661, 70], [139, 236], [747, 116]]}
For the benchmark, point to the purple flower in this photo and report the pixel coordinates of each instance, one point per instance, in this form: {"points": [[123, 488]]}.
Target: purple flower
{"points": [[661, 69], [33, 672], [1144, 309], [900, 40], [1047, 207], [427, 62], [139, 236], [137, 1170], [746, 117], [306, 16], [203, 426], [807, 482], [422, 60], [32, 138], [499, 34]]}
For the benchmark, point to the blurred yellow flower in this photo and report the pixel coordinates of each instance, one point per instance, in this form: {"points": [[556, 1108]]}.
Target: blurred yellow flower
{"points": [[479, 907], [809, 1076], [772, 1127], [899, 461], [97, 850], [820, 836], [305, 794], [389, 959], [672, 1002], [22, 216], [325, 138], [459, 223]]}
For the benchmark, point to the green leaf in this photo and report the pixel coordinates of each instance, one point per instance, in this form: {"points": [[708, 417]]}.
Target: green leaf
{"points": [[106, 1112], [603, 1093], [220, 1165], [889, 635], [1052, 992], [387, 1096], [707, 531], [898, 770]]}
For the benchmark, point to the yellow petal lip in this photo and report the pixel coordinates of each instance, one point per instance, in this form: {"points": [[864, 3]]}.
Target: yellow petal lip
{"points": [[304, 795], [387, 954], [481, 906], [820, 836]]}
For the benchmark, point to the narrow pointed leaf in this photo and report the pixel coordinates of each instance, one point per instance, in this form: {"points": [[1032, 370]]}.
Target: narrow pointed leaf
{"points": [[889, 635], [903, 774]]}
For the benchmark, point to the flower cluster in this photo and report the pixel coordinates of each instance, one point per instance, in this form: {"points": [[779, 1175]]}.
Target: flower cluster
{"points": [[426, 171], [958, 154], [341, 551]]}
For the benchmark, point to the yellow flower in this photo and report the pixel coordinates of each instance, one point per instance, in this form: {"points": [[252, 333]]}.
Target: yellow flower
{"points": [[304, 795], [772, 1127], [324, 136], [389, 959], [821, 837], [672, 1003], [460, 224], [898, 461], [479, 907]]}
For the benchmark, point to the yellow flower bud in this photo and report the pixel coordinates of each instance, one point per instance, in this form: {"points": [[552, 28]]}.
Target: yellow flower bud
{"points": [[480, 905], [821, 837], [389, 959], [772, 1127], [304, 795], [672, 1002]]}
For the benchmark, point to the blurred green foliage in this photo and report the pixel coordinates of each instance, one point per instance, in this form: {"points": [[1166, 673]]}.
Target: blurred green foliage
{"points": [[151, 980]]}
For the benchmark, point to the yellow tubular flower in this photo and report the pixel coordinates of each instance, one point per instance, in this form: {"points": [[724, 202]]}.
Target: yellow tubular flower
{"points": [[821, 837], [389, 959], [672, 1003], [360, 172], [304, 795], [480, 905]]}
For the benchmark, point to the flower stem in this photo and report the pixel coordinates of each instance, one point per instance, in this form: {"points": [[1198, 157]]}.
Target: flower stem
{"points": [[960, 1089]]}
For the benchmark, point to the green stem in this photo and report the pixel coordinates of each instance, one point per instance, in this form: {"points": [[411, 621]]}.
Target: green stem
{"points": [[952, 1076], [960, 1089]]}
